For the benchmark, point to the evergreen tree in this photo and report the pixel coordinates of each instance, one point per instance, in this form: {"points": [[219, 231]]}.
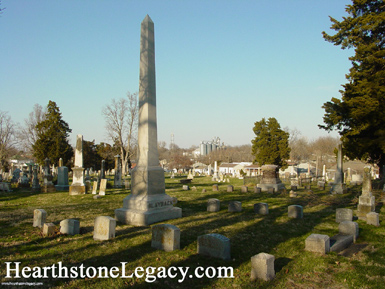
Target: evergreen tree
{"points": [[359, 116], [271, 144], [52, 141]]}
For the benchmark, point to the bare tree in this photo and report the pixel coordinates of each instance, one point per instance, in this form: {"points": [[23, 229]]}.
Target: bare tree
{"points": [[121, 123], [7, 137], [28, 134]]}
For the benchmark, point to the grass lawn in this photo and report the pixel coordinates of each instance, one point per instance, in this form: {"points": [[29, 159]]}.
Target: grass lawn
{"points": [[361, 267]]}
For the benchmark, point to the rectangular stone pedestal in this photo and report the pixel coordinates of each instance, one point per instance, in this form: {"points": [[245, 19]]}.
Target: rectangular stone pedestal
{"points": [[366, 204], [77, 190]]}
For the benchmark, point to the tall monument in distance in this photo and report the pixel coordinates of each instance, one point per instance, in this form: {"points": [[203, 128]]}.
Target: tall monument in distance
{"points": [[148, 202], [78, 187]]}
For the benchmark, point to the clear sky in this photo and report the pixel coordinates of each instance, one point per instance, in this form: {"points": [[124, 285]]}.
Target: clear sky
{"points": [[220, 65]]}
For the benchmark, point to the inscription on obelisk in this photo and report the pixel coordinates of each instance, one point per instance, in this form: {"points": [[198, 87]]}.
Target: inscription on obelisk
{"points": [[148, 203]]}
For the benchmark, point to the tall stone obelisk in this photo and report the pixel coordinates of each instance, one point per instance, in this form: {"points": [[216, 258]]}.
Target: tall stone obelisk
{"points": [[78, 187], [148, 202]]}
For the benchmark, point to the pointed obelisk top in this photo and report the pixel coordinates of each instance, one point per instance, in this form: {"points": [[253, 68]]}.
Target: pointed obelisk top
{"points": [[147, 19]]}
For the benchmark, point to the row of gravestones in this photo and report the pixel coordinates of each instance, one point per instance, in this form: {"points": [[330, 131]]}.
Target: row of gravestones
{"points": [[293, 211], [348, 232], [164, 237]]}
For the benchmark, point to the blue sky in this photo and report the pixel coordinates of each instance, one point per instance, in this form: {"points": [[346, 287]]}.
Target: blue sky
{"points": [[220, 65]]}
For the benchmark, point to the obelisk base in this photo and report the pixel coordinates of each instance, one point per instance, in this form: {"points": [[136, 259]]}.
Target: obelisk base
{"points": [[77, 189], [277, 187], [145, 218]]}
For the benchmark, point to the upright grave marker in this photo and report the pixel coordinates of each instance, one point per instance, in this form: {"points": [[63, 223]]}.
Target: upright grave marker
{"points": [[148, 202], [78, 187]]}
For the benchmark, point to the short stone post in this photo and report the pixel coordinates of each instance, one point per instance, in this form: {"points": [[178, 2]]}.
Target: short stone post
{"points": [[318, 243], [49, 229], [262, 267]]}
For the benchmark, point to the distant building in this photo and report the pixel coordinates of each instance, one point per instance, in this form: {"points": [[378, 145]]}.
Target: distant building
{"points": [[206, 147]]}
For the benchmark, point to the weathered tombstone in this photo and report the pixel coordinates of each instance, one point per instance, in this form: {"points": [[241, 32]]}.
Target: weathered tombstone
{"points": [[203, 190], [62, 177], [262, 267], [78, 187], [338, 186], [372, 218], [215, 188], [257, 190], [70, 227], [270, 179], [127, 184], [340, 242], [148, 202], [261, 208], [343, 214], [103, 187], [165, 237], [292, 194], [321, 185], [118, 172], [318, 243], [215, 177], [244, 189], [95, 188], [235, 206], [39, 217], [349, 228], [366, 202], [104, 228], [214, 245], [186, 188], [35, 180], [213, 205], [49, 229], [48, 186], [102, 174], [230, 188], [295, 211]]}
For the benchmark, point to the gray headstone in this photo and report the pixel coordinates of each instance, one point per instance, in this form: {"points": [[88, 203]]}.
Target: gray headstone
{"points": [[244, 189], [372, 218], [262, 267], [230, 188], [215, 188], [213, 205], [235, 206], [261, 208], [349, 228], [165, 237], [343, 214], [39, 217], [94, 188], [103, 187], [257, 190], [214, 245], [70, 227], [104, 228], [295, 211]]}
